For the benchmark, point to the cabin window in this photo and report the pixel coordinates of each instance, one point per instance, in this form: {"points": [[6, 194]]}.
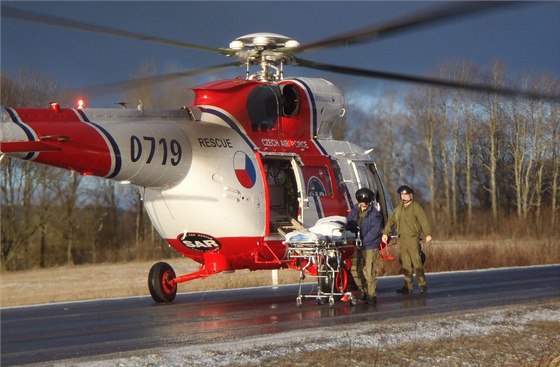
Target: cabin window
{"points": [[263, 107], [339, 179], [369, 177], [366, 179], [382, 199], [290, 94]]}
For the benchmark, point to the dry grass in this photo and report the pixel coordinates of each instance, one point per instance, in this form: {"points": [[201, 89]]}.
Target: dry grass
{"points": [[130, 279], [86, 282], [482, 254]]}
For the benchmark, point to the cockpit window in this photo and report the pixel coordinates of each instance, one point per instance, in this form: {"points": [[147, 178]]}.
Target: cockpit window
{"points": [[263, 106]]}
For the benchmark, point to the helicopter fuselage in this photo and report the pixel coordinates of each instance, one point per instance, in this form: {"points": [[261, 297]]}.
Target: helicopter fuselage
{"points": [[222, 178]]}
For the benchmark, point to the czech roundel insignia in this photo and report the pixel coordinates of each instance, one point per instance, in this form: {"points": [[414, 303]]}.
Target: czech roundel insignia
{"points": [[244, 169]]}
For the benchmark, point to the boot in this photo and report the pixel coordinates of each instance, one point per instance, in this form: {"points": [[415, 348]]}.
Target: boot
{"points": [[404, 290]]}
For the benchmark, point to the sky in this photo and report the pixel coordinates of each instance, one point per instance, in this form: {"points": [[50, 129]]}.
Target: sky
{"points": [[526, 36]]}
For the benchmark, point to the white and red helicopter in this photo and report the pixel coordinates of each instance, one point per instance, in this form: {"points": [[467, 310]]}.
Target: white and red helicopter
{"points": [[247, 157]]}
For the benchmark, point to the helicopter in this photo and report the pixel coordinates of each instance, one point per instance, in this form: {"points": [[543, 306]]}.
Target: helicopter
{"points": [[224, 177]]}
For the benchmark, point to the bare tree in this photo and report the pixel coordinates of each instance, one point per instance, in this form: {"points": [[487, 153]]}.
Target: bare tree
{"points": [[551, 145], [380, 125], [461, 136], [16, 212], [522, 163], [169, 94], [67, 190], [425, 115], [469, 141], [28, 89], [444, 137], [45, 208], [555, 162], [494, 125]]}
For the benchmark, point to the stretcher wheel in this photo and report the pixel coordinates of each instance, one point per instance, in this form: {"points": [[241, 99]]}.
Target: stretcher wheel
{"points": [[331, 301], [320, 301], [298, 302], [353, 301]]}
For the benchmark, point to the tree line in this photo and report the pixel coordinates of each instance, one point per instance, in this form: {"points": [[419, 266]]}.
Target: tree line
{"points": [[484, 165]]}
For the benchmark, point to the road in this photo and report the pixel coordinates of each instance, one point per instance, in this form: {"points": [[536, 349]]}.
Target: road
{"points": [[53, 332]]}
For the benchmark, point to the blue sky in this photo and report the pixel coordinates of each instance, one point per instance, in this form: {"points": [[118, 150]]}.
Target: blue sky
{"points": [[524, 36]]}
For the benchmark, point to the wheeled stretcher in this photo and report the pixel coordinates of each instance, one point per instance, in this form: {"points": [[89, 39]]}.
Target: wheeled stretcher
{"points": [[321, 256]]}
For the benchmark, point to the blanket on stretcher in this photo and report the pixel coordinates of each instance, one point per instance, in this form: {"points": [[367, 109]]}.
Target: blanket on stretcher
{"points": [[331, 228]]}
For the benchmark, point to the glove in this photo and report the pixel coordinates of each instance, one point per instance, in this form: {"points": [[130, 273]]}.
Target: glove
{"points": [[352, 227]]}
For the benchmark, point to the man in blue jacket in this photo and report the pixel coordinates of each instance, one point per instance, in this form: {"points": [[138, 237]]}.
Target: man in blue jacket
{"points": [[367, 216]]}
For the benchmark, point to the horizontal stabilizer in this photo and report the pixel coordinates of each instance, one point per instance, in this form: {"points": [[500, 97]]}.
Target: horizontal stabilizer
{"points": [[28, 146]]}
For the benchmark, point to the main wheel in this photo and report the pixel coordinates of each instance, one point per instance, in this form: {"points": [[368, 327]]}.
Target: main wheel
{"points": [[341, 279], [161, 283]]}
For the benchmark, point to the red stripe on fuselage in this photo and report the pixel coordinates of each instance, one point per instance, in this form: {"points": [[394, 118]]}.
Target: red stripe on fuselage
{"points": [[241, 252], [83, 149]]}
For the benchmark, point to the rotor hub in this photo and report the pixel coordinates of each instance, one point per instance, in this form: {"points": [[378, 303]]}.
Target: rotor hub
{"points": [[269, 50]]}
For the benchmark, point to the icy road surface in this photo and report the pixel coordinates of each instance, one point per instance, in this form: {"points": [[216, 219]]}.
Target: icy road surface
{"points": [[249, 325]]}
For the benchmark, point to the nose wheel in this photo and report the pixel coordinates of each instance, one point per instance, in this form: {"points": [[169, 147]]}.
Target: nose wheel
{"points": [[161, 282]]}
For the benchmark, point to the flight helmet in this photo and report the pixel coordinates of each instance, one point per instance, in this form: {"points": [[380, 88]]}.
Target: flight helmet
{"points": [[405, 189], [364, 195]]}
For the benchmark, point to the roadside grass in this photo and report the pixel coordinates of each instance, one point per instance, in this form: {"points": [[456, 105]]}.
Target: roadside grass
{"points": [[482, 254], [86, 282]]}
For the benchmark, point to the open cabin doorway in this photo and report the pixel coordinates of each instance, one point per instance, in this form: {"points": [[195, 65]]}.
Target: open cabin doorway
{"points": [[283, 193]]}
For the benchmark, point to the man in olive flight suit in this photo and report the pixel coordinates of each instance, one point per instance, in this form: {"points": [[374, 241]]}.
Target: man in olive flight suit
{"points": [[412, 224]]}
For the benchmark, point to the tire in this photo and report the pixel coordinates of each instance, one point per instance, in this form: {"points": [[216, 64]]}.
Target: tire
{"points": [[341, 281], [161, 283]]}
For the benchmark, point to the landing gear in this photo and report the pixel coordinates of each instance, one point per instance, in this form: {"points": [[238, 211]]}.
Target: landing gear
{"points": [[161, 282]]}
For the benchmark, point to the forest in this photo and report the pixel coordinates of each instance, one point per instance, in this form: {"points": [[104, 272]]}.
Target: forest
{"points": [[484, 166]]}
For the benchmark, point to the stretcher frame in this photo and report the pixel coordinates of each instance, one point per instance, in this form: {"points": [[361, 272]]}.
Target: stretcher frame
{"points": [[325, 253]]}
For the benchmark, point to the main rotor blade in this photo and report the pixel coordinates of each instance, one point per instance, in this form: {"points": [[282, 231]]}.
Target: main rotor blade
{"points": [[88, 27], [374, 32], [474, 87], [153, 79]]}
